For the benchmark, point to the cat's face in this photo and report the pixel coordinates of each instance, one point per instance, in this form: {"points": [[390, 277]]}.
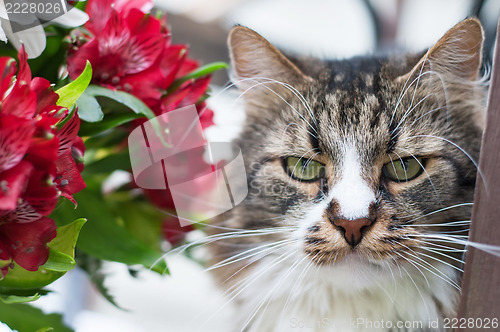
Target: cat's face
{"points": [[364, 162]]}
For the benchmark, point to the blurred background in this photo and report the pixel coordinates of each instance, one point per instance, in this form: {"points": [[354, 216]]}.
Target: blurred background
{"points": [[188, 300]]}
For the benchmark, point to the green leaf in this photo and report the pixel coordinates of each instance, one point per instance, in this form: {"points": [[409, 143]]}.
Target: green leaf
{"points": [[23, 317], [104, 140], [9, 295], [67, 236], [9, 299], [98, 280], [69, 94], [19, 278], [59, 262], [61, 259], [143, 220], [124, 98], [89, 109], [92, 266], [109, 122], [109, 164], [23, 292], [197, 73], [45, 329], [103, 236], [205, 70]]}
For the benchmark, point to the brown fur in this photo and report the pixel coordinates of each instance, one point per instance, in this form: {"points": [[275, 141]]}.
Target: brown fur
{"points": [[358, 100]]}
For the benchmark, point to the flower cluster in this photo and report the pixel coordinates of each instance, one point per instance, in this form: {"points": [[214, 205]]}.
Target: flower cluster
{"points": [[130, 50], [39, 162]]}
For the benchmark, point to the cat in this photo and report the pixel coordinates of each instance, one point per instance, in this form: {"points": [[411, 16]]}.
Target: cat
{"points": [[360, 175]]}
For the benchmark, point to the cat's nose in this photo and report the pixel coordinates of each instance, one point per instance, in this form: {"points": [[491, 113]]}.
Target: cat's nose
{"points": [[352, 229]]}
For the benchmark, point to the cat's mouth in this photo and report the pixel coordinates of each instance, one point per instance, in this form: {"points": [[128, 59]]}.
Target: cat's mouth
{"points": [[343, 255], [352, 258], [353, 270]]}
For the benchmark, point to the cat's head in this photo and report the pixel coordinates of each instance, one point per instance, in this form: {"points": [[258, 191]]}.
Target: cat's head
{"points": [[366, 160]]}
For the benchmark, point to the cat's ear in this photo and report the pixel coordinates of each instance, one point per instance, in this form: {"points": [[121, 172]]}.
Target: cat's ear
{"points": [[254, 60], [457, 53]]}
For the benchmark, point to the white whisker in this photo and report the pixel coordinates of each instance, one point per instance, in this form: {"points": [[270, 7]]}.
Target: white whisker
{"points": [[461, 150], [440, 210]]}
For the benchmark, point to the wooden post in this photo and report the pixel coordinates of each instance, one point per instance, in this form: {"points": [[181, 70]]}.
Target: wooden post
{"points": [[481, 281]]}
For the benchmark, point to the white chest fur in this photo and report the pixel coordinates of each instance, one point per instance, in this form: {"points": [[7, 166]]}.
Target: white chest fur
{"points": [[293, 295]]}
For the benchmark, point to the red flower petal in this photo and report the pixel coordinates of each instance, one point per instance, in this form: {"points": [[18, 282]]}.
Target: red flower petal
{"points": [[188, 66], [45, 95], [77, 60], [68, 179], [15, 137], [112, 41], [144, 85], [149, 85], [68, 133], [160, 198], [20, 101], [173, 59], [123, 6], [127, 52], [22, 214], [8, 66], [42, 153], [99, 12], [187, 95], [24, 74], [41, 194], [173, 232], [142, 24], [4, 257], [198, 90], [12, 184], [172, 101], [28, 241], [206, 115], [77, 152], [4, 250]]}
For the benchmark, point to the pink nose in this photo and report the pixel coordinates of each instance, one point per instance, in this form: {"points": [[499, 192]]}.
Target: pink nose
{"points": [[352, 229]]}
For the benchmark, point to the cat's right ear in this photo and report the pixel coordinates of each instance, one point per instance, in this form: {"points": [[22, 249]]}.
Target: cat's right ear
{"points": [[258, 65], [457, 55]]}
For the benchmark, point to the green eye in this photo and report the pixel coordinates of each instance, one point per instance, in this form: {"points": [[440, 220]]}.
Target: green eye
{"points": [[304, 169], [405, 169]]}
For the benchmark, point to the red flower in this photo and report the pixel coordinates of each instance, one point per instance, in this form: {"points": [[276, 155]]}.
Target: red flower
{"points": [[69, 162], [26, 243], [37, 164], [182, 171], [130, 51]]}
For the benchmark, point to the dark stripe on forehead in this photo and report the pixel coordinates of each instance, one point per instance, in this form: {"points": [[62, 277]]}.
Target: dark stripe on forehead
{"points": [[315, 123], [381, 105], [313, 138], [354, 72], [393, 136]]}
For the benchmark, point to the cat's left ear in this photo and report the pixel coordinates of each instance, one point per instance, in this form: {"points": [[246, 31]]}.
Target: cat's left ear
{"points": [[457, 53], [254, 60]]}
